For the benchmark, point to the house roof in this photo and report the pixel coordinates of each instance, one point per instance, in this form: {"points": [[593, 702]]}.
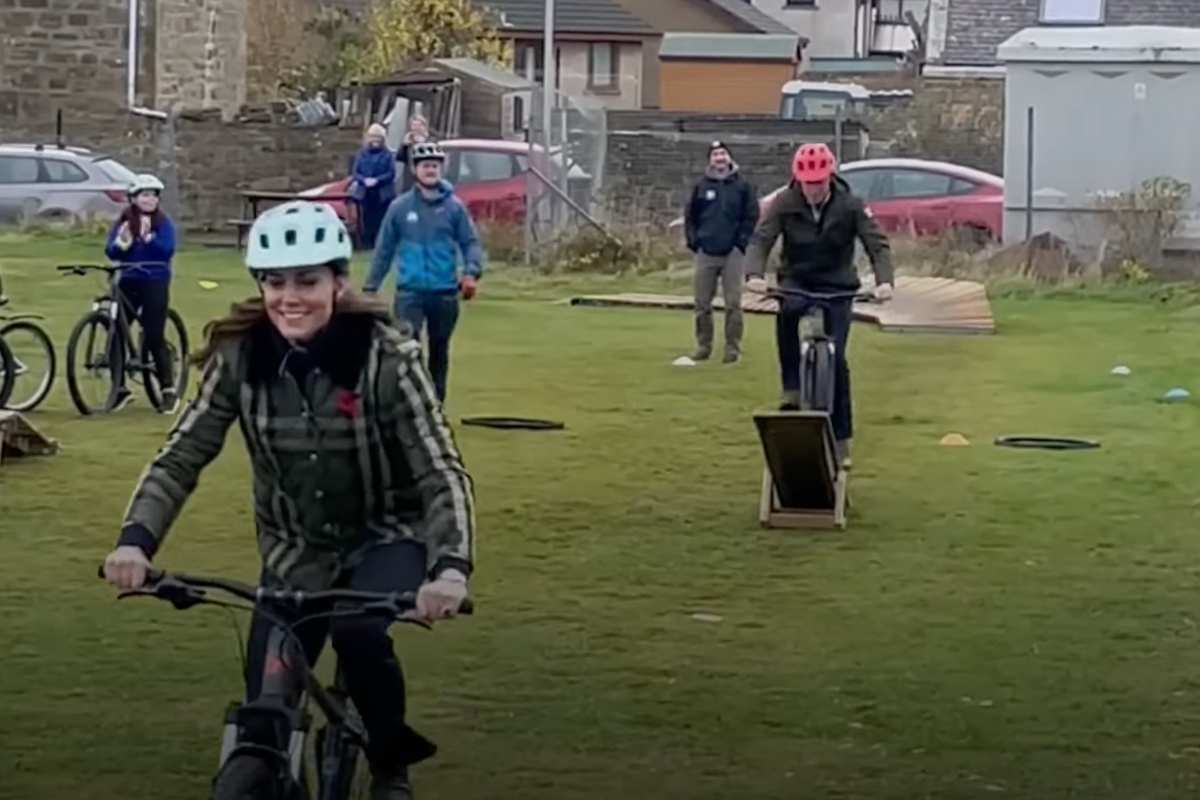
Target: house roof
{"points": [[975, 28], [1139, 43], [730, 46], [750, 15], [570, 16]]}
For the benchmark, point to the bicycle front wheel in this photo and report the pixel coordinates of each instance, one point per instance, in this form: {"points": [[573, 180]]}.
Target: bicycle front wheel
{"points": [[345, 773], [8, 372], [91, 379], [34, 365], [246, 777], [176, 338]]}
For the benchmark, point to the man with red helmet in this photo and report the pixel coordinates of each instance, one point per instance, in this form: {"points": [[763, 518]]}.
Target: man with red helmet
{"points": [[819, 219]]}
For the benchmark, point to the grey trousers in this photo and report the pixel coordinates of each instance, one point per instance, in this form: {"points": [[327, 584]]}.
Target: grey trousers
{"points": [[726, 270]]}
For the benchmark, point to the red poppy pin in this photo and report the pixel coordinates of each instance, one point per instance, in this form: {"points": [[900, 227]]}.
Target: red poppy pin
{"points": [[349, 404]]}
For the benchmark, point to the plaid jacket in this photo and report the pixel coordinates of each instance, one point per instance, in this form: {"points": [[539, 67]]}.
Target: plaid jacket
{"points": [[361, 454]]}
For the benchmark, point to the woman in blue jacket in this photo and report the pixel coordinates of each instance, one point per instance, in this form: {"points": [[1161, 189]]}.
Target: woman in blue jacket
{"points": [[374, 184], [144, 237]]}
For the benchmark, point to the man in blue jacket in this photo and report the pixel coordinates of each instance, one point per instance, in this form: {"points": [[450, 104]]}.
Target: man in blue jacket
{"points": [[423, 234], [719, 219]]}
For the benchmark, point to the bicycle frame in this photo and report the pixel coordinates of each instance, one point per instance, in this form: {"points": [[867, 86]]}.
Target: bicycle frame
{"points": [[288, 680]]}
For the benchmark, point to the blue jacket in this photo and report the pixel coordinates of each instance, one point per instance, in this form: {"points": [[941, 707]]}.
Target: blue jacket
{"points": [[380, 164], [160, 249], [422, 238]]}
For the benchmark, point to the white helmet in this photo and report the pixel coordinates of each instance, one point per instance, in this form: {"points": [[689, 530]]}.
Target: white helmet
{"points": [[145, 183], [298, 234], [427, 151]]}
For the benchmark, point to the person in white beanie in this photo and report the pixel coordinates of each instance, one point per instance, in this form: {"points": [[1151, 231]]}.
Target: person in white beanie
{"points": [[374, 184]]}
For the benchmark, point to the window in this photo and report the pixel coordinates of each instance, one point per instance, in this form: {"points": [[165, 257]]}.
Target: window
{"points": [[911, 183], [1072, 12], [63, 171], [861, 181], [895, 12], [15, 169], [115, 170], [604, 60], [534, 53], [474, 166], [961, 186]]}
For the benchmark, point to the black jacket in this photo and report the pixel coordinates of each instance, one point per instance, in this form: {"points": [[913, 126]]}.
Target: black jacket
{"points": [[818, 251], [720, 214]]}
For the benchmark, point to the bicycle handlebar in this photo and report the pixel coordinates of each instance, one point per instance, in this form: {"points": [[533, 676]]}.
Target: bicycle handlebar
{"points": [[184, 591]]}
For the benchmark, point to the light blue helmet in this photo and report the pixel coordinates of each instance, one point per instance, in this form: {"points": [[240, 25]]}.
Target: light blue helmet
{"points": [[298, 234]]}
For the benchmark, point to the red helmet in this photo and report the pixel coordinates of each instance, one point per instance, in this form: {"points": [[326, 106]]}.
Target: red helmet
{"points": [[813, 163]]}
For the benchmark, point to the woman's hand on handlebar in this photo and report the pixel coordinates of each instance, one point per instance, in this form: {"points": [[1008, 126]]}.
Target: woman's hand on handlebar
{"points": [[441, 597], [126, 568]]}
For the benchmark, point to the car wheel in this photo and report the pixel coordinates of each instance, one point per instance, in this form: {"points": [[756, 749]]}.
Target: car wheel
{"points": [[971, 238]]}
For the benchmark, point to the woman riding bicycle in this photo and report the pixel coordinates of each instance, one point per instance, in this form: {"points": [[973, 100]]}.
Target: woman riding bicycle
{"points": [[358, 482], [144, 237], [820, 220]]}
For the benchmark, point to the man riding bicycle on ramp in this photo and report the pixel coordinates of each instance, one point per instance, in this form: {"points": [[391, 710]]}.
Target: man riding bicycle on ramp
{"points": [[820, 219]]}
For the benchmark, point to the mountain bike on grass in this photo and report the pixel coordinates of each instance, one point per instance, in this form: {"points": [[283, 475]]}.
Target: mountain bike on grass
{"points": [[27, 360], [280, 765], [818, 350], [102, 351]]}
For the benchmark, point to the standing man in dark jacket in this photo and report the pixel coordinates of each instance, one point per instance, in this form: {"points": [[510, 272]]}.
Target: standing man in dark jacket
{"points": [[820, 220], [719, 220]]}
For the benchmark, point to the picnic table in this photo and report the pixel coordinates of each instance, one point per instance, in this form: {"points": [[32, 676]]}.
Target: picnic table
{"points": [[252, 198]]}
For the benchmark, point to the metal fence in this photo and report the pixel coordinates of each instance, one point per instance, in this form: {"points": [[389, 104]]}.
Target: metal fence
{"points": [[566, 175]]}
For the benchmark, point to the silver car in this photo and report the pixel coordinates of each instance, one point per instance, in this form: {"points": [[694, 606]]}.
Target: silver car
{"points": [[59, 184]]}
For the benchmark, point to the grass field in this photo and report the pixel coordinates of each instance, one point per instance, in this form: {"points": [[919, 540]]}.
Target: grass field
{"points": [[993, 623]]}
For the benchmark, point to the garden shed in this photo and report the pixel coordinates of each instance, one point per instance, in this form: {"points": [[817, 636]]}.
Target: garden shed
{"points": [[1111, 108]]}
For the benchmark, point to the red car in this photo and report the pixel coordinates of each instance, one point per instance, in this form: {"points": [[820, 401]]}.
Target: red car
{"points": [[925, 198], [928, 198], [488, 175]]}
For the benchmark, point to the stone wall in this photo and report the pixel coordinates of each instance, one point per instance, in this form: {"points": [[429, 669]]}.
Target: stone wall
{"points": [[201, 54], [654, 158], [61, 53]]}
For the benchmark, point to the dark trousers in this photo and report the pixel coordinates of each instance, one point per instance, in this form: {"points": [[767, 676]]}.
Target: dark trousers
{"points": [[370, 212], [150, 301], [438, 312], [838, 316], [372, 672]]}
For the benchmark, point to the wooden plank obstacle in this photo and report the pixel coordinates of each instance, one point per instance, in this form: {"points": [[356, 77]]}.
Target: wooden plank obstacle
{"points": [[19, 438], [804, 485]]}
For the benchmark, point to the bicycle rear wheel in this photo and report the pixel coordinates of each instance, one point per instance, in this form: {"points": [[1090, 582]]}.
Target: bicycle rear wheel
{"points": [[91, 379], [177, 346], [8, 372], [246, 777], [34, 364]]}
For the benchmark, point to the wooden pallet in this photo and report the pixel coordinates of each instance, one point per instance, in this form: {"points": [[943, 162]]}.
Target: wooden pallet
{"points": [[19, 438], [803, 484], [921, 305]]}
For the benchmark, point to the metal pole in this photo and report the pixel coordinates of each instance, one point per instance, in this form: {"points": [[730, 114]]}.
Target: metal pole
{"points": [[549, 80], [1029, 175], [131, 74]]}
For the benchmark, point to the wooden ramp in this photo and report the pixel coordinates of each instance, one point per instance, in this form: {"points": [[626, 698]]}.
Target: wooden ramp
{"points": [[921, 305], [803, 486], [19, 438]]}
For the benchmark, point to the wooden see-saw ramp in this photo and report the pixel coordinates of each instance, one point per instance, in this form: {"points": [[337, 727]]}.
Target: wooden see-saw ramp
{"points": [[920, 305], [803, 484], [19, 438]]}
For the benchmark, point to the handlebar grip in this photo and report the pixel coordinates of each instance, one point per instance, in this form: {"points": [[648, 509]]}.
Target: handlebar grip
{"points": [[152, 575]]}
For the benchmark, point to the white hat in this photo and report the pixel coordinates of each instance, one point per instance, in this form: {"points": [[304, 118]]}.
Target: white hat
{"points": [[298, 234]]}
